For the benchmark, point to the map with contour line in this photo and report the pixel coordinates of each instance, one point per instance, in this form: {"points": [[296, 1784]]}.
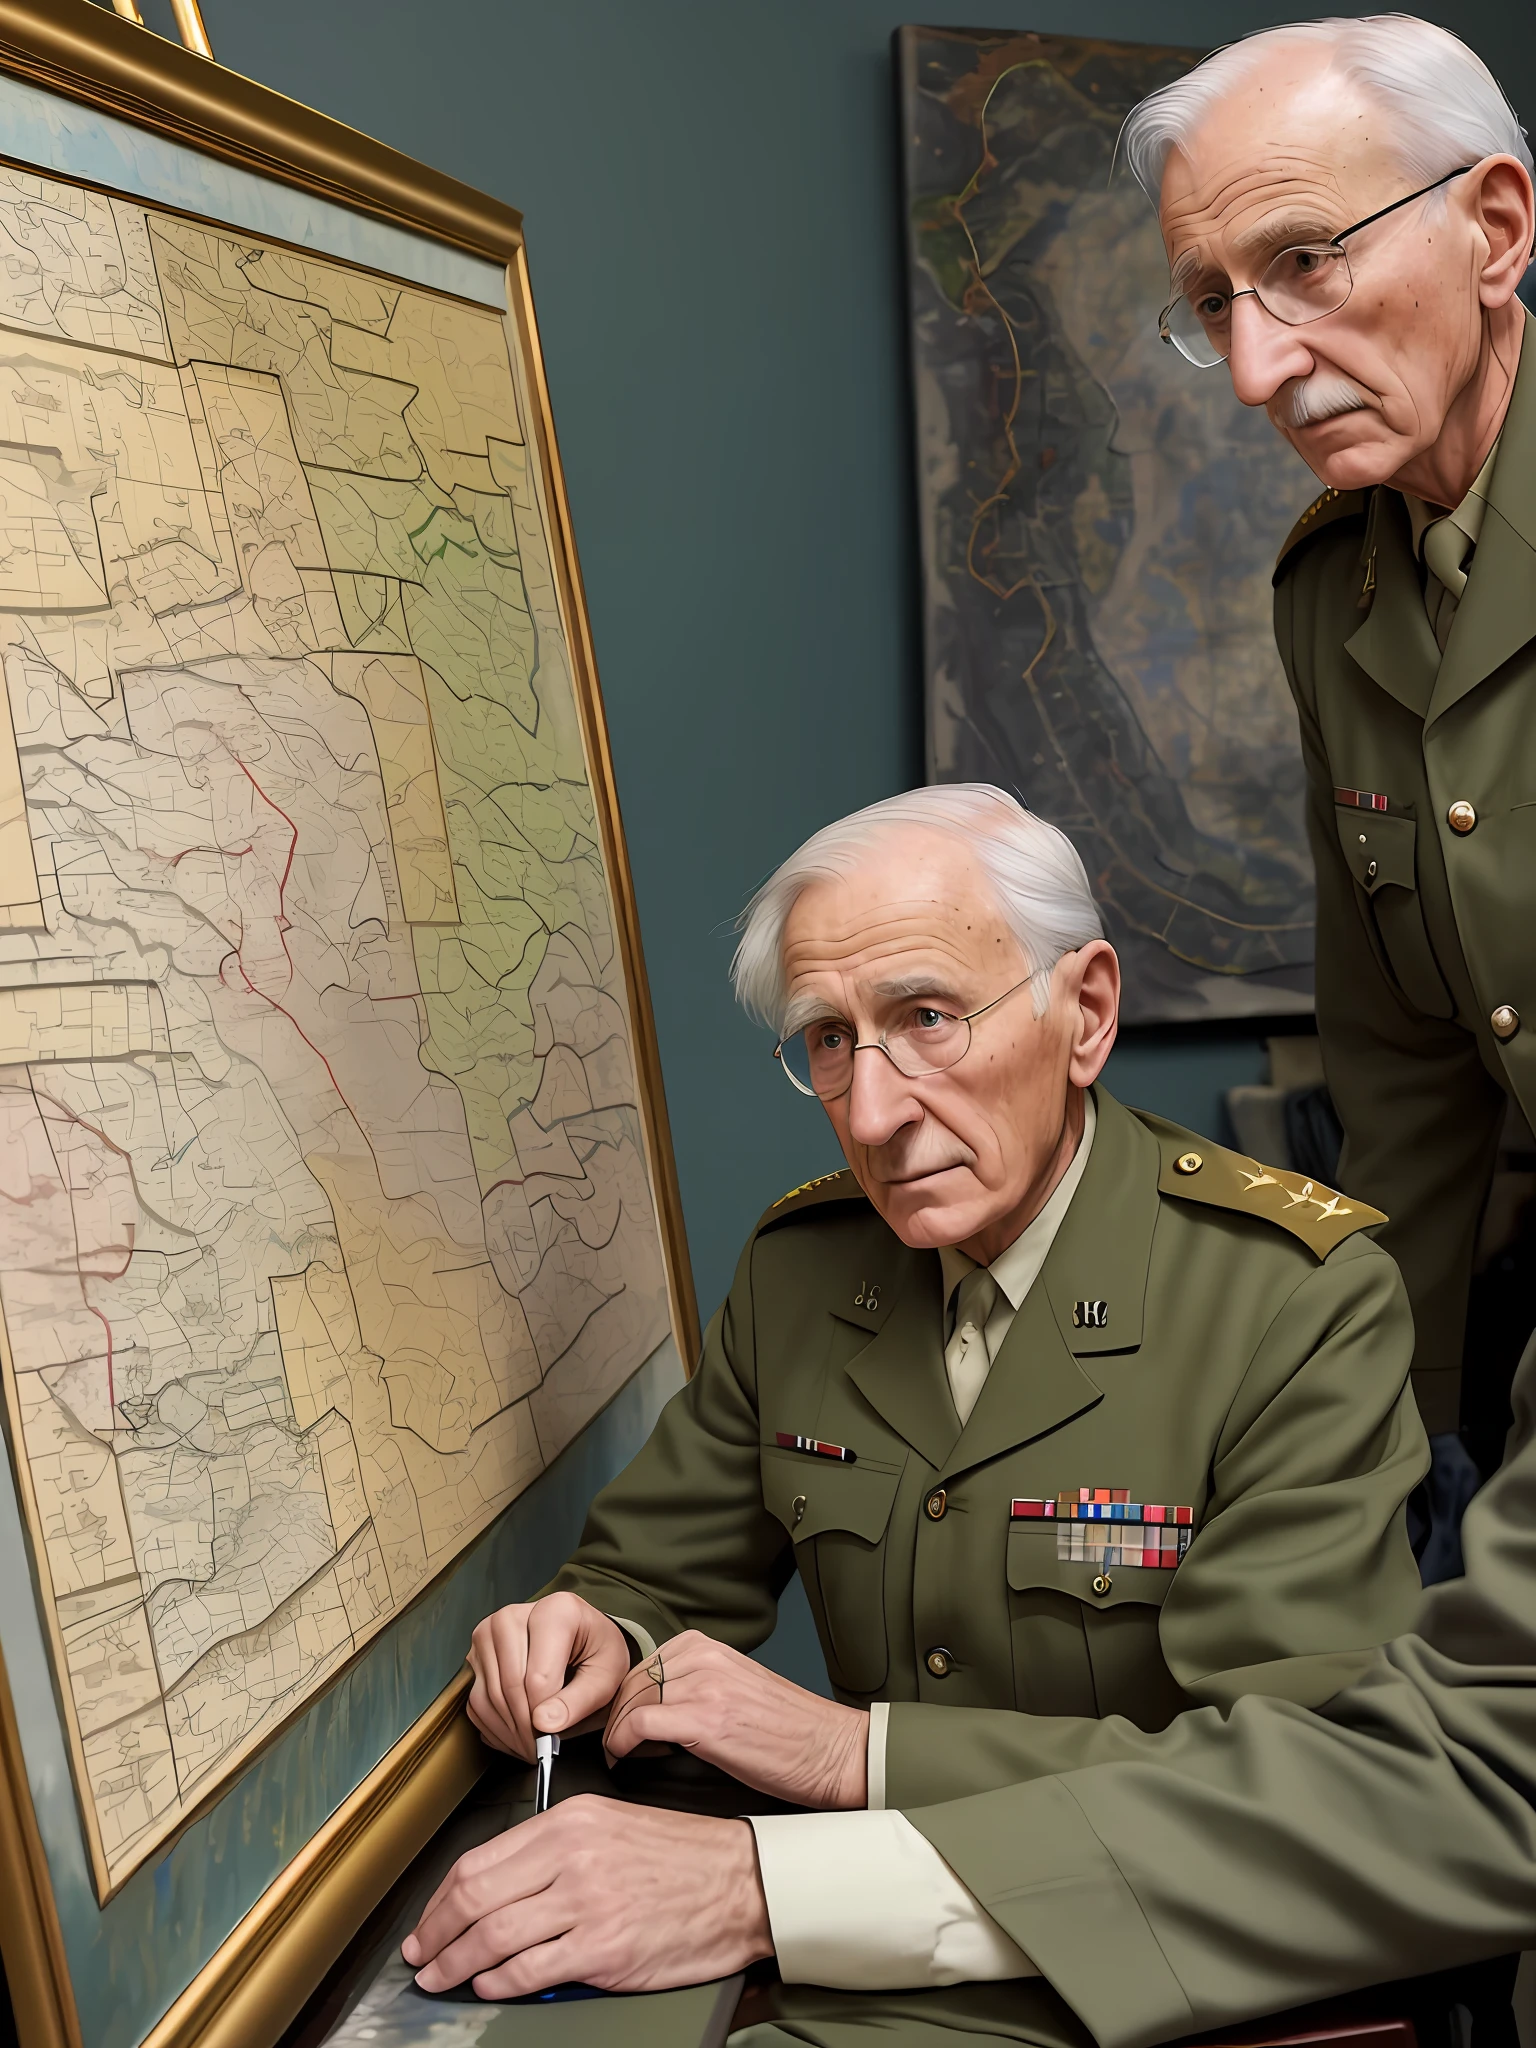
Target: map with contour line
{"points": [[325, 1219]]}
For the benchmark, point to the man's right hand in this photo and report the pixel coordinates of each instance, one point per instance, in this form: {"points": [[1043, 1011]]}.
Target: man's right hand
{"points": [[542, 1668]]}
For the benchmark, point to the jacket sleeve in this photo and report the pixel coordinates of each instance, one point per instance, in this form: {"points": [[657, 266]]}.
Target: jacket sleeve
{"points": [[1241, 1864], [1421, 1114], [681, 1539], [1300, 1568]]}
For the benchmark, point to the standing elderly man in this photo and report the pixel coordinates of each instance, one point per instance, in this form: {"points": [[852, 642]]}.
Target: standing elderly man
{"points": [[1347, 209], [1073, 1426]]}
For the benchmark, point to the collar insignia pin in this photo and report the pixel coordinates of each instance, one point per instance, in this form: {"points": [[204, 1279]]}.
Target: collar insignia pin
{"points": [[868, 1295], [1090, 1315]]}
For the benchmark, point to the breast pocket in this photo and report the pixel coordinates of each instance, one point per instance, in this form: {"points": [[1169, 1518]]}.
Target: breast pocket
{"points": [[1380, 850], [1081, 1651], [837, 1516]]}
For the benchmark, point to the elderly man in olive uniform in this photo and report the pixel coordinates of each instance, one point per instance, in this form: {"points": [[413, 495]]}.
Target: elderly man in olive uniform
{"points": [[1072, 1424], [1347, 210]]}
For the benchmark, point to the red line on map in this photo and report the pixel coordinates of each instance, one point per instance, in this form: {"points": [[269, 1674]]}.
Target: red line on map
{"points": [[282, 927], [293, 847], [72, 1116]]}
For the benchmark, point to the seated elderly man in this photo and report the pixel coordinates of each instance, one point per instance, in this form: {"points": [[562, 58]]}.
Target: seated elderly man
{"points": [[1071, 1423]]}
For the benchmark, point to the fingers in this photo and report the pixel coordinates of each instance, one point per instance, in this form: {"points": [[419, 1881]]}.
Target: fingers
{"points": [[577, 1659], [510, 1867], [500, 1939], [535, 1969], [498, 1700], [661, 1699]]}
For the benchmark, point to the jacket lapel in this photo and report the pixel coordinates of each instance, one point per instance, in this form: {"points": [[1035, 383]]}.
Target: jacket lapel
{"points": [[1104, 1247], [1100, 1255], [1035, 1385], [1497, 616], [1394, 643], [901, 1373]]}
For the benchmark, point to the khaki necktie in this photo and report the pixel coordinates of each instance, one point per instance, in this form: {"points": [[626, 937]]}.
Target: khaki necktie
{"points": [[965, 1355], [1446, 547]]}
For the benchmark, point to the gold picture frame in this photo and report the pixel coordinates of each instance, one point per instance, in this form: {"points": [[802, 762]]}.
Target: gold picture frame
{"points": [[259, 1977]]}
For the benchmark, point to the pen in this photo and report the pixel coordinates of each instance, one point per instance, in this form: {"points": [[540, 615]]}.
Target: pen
{"points": [[545, 1749]]}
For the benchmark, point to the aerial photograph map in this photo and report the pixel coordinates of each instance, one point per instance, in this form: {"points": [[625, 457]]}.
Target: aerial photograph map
{"points": [[325, 1218], [1098, 521]]}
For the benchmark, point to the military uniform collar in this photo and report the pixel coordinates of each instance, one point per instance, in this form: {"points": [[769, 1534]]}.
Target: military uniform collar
{"points": [[1468, 515], [1096, 1268], [1016, 1269]]}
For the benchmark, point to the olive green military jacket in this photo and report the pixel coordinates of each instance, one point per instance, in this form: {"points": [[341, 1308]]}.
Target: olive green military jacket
{"points": [[1421, 776], [1203, 1334], [1241, 1864]]}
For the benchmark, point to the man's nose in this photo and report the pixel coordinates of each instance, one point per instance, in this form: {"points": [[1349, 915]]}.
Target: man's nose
{"points": [[1265, 353], [880, 1101]]}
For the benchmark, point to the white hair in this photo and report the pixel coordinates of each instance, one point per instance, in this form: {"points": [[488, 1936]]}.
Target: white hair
{"points": [[1446, 107], [1033, 868]]}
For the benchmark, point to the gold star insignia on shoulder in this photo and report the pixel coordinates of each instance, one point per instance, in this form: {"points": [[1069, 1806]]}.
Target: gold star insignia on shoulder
{"points": [[1324, 509], [807, 1186], [1259, 1178], [1318, 1216]]}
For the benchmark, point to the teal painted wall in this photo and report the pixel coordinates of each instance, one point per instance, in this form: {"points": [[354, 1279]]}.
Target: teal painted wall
{"points": [[710, 197]]}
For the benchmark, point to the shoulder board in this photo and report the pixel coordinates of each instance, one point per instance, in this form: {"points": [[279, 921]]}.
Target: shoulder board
{"points": [[1324, 511], [1196, 1171], [827, 1187]]}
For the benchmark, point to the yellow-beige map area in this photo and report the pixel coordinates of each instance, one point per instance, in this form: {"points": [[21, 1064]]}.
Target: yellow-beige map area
{"points": [[324, 1214]]}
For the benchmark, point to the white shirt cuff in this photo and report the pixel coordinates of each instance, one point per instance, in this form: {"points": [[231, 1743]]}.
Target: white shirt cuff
{"points": [[879, 1718], [863, 1902]]}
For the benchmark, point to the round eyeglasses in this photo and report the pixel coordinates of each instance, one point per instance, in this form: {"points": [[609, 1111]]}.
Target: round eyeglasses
{"points": [[1301, 283], [926, 1040]]}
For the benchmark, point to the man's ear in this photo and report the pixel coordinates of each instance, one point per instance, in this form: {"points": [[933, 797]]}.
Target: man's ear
{"points": [[1097, 1011], [1503, 208]]}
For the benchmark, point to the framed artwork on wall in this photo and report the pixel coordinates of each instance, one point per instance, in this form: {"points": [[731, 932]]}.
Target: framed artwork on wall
{"points": [[336, 1194], [1098, 523]]}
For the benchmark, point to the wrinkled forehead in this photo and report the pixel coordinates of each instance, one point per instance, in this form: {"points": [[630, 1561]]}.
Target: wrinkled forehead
{"points": [[1280, 158], [918, 903]]}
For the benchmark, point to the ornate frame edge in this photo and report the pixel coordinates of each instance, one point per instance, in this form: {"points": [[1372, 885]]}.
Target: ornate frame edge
{"points": [[31, 1940], [259, 1977], [261, 1974], [88, 54]]}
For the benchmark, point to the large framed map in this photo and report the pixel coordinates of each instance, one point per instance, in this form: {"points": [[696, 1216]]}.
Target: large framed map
{"points": [[335, 1192], [1098, 524]]}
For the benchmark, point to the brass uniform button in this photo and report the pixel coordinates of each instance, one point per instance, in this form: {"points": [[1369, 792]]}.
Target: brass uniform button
{"points": [[1461, 817], [1505, 1021], [1370, 872], [936, 1503], [939, 1663], [797, 1508], [1188, 1162], [1102, 1584]]}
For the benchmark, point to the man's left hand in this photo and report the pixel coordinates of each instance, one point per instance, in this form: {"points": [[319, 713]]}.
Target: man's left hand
{"points": [[628, 1898], [764, 1730]]}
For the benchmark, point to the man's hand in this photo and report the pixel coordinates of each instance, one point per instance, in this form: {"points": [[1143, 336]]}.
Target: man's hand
{"points": [[769, 1733], [596, 1892], [541, 1668]]}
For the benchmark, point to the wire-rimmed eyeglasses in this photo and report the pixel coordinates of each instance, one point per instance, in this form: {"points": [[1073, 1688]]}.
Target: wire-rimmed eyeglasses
{"points": [[818, 1058], [1299, 284]]}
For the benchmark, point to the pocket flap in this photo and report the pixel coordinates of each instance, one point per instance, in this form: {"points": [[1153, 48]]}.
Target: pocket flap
{"points": [[1378, 847], [810, 1494], [1033, 1564]]}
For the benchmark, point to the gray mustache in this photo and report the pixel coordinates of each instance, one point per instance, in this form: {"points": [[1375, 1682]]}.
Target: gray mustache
{"points": [[1324, 396]]}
